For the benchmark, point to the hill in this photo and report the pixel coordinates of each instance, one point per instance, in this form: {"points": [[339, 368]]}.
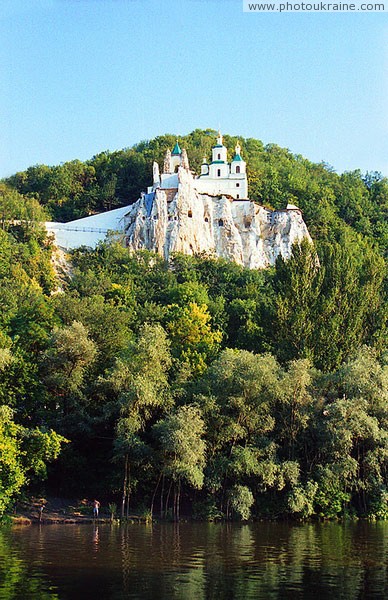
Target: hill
{"points": [[237, 390]]}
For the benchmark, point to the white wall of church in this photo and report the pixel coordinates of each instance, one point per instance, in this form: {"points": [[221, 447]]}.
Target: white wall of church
{"points": [[217, 187], [220, 153], [237, 167], [175, 161], [218, 170]]}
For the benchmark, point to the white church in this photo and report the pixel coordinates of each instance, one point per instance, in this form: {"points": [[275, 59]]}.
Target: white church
{"points": [[217, 178], [223, 178]]}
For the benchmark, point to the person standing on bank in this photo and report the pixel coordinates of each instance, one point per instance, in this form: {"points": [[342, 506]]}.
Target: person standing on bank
{"points": [[41, 509], [96, 506]]}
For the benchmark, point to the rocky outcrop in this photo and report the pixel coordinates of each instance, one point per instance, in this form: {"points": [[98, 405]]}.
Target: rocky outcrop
{"points": [[184, 220]]}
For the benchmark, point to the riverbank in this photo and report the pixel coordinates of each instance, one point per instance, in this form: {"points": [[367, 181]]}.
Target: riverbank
{"points": [[66, 511], [60, 511]]}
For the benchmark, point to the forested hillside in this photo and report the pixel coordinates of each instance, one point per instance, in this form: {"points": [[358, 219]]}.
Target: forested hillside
{"points": [[197, 386]]}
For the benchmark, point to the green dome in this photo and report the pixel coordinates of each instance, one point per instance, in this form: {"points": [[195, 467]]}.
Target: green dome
{"points": [[177, 149]]}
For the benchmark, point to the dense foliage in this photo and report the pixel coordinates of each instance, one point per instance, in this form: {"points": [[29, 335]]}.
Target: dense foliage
{"points": [[198, 386]]}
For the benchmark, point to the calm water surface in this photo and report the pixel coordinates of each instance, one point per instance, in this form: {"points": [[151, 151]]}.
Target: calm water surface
{"points": [[195, 561]]}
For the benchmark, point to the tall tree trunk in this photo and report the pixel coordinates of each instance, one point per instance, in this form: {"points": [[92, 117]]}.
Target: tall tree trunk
{"points": [[227, 510], [154, 494], [168, 499], [161, 498], [175, 500], [128, 487], [124, 486], [178, 500], [222, 504]]}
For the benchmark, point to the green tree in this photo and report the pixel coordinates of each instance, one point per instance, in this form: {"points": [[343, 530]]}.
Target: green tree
{"points": [[324, 311], [241, 500], [236, 396], [23, 452], [297, 285], [182, 451], [352, 432], [192, 339], [140, 380], [294, 406], [65, 364]]}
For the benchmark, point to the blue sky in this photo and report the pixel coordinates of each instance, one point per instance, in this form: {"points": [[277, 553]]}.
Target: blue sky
{"points": [[82, 76]]}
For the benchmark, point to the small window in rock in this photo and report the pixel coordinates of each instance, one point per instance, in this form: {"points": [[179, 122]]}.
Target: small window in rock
{"points": [[190, 214], [155, 217], [221, 222], [206, 220]]}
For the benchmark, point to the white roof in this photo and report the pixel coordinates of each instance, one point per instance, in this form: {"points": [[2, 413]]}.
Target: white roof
{"points": [[89, 230]]}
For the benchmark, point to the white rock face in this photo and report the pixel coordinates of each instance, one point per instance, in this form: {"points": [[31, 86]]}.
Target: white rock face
{"points": [[190, 222]]}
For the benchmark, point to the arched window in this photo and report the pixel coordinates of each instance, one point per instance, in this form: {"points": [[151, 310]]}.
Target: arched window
{"points": [[221, 223], [238, 169], [219, 156], [218, 172], [237, 196], [237, 185]]}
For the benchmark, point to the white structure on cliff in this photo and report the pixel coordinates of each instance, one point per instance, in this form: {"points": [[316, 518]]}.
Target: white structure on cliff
{"points": [[209, 214], [221, 177], [217, 177]]}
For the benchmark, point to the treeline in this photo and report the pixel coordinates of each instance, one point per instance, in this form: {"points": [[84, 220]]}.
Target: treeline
{"points": [[275, 175], [198, 386], [199, 383]]}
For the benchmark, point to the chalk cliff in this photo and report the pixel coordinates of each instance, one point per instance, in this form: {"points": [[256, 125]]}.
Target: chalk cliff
{"points": [[185, 220], [210, 213]]}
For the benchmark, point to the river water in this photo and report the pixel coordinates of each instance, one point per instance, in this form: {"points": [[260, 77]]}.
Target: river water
{"points": [[193, 561]]}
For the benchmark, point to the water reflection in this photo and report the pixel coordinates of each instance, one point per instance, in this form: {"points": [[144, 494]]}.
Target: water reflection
{"points": [[95, 538], [18, 579], [195, 561]]}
